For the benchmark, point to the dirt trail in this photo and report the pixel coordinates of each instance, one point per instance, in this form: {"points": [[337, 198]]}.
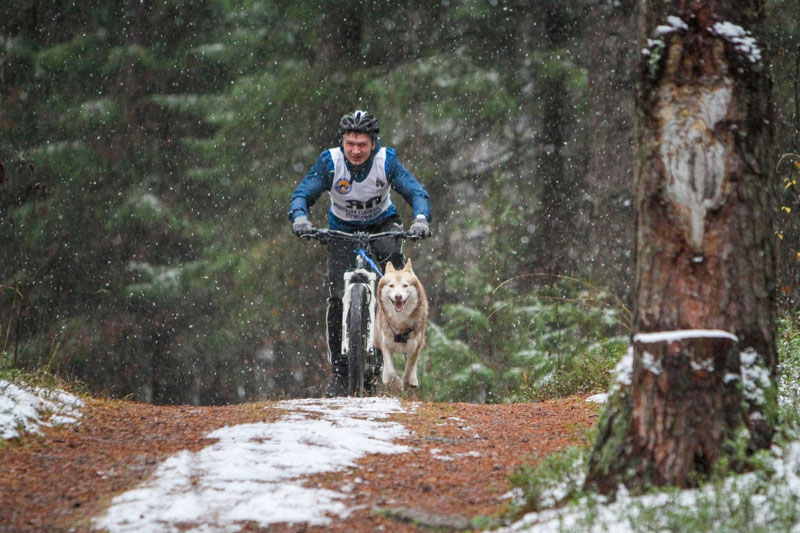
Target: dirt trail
{"points": [[458, 470]]}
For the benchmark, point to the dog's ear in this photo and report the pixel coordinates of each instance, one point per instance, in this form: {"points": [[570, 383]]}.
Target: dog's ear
{"points": [[407, 268], [390, 267]]}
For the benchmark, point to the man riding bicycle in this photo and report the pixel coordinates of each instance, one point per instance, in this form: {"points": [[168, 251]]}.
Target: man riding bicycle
{"points": [[358, 175]]}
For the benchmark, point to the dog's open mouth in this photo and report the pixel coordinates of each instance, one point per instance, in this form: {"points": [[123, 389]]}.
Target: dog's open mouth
{"points": [[398, 304]]}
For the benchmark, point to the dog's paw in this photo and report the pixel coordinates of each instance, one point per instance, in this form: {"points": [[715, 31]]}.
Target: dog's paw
{"points": [[411, 394], [393, 383], [410, 381]]}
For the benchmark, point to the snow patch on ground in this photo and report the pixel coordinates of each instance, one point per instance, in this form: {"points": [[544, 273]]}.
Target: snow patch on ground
{"points": [[622, 516], [437, 453], [256, 472], [24, 409], [598, 398]]}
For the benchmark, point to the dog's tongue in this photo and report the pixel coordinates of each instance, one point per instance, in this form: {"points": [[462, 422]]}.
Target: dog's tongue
{"points": [[398, 305]]}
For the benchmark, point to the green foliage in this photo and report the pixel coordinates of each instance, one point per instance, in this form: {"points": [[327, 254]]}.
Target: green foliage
{"points": [[71, 63], [789, 371], [453, 371], [557, 65], [789, 352], [460, 92], [782, 37], [551, 342], [788, 223], [40, 378], [589, 372], [556, 480]]}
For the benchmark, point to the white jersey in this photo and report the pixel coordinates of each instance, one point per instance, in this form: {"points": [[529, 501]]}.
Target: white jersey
{"points": [[359, 201]]}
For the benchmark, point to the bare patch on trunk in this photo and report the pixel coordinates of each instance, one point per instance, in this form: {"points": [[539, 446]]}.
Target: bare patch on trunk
{"points": [[692, 152]]}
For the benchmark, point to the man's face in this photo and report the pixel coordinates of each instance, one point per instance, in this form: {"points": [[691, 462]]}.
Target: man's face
{"points": [[357, 147]]}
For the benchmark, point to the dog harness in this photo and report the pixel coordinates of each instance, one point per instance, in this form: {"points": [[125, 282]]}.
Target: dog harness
{"points": [[401, 338]]}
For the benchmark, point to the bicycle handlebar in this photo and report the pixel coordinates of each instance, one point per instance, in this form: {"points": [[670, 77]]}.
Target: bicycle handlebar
{"points": [[325, 235]]}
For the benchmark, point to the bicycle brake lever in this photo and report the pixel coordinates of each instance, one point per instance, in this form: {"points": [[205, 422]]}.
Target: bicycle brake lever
{"points": [[315, 236]]}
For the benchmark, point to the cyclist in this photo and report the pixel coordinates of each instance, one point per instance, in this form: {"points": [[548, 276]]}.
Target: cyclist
{"points": [[358, 174]]}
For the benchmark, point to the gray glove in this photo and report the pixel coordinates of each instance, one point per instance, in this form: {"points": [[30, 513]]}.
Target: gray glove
{"points": [[302, 226], [420, 227]]}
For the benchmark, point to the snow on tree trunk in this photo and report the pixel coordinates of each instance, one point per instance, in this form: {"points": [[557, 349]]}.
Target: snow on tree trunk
{"points": [[701, 374]]}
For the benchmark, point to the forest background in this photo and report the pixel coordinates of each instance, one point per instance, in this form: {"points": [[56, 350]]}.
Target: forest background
{"points": [[148, 149]]}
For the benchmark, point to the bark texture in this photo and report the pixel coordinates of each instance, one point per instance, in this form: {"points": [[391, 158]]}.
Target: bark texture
{"points": [[704, 258]]}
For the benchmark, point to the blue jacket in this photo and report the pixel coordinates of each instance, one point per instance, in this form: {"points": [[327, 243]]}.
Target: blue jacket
{"points": [[319, 180]]}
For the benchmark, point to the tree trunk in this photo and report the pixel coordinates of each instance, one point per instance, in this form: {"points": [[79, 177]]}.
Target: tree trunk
{"points": [[337, 53], [700, 380], [554, 220], [557, 241], [611, 64]]}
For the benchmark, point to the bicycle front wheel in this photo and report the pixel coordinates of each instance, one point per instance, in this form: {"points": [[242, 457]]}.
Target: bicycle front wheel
{"points": [[357, 324]]}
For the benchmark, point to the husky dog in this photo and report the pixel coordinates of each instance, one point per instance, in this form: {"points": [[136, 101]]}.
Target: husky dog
{"points": [[400, 323]]}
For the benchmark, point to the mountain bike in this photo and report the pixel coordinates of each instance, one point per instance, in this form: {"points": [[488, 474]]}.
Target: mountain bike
{"points": [[359, 303]]}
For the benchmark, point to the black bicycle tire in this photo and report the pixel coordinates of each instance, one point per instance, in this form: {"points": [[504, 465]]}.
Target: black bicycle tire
{"points": [[356, 349]]}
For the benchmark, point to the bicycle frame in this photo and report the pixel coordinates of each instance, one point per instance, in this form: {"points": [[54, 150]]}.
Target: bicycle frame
{"points": [[370, 280]]}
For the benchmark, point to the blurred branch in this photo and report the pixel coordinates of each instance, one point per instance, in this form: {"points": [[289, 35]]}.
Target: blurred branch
{"points": [[616, 302]]}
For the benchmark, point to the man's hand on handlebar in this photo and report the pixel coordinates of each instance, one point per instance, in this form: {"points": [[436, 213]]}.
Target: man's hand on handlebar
{"points": [[302, 226], [420, 228]]}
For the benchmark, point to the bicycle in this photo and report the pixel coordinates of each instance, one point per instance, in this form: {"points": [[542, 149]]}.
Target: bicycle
{"points": [[359, 304]]}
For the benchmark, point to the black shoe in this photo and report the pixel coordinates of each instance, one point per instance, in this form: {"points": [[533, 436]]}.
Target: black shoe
{"points": [[372, 377], [337, 386], [371, 386]]}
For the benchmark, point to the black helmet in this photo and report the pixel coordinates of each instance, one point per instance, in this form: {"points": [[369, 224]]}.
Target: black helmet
{"points": [[359, 121]]}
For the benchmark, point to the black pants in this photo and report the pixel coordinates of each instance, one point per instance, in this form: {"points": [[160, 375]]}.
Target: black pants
{"points": [[341, 257]]}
